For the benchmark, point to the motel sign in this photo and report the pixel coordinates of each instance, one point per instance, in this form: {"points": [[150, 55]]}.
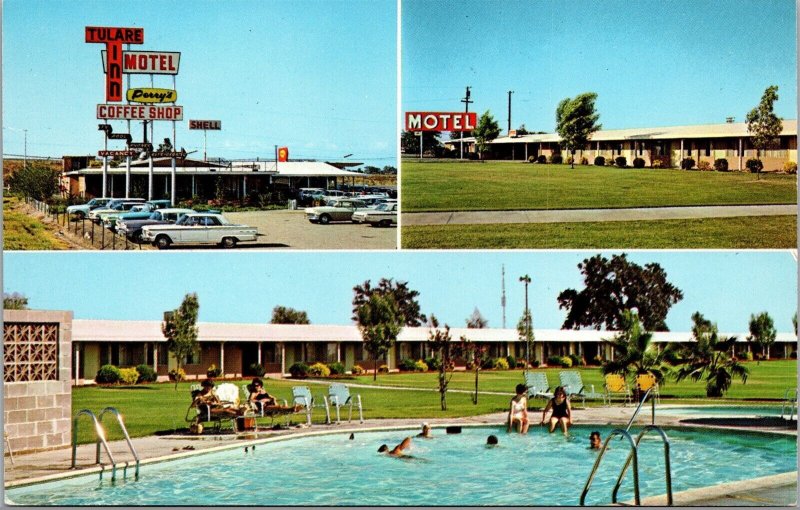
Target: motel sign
{"points": [[440, 121], [114, 38]]}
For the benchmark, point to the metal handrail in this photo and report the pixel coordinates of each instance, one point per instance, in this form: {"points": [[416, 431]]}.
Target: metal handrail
{"points": [[668, 476], [790, 400], [124, 432], [639, 408], [634, 455], [101, 438]]}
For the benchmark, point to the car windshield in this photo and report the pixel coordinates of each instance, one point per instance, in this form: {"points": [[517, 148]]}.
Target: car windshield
{"points": [[384, 207]]}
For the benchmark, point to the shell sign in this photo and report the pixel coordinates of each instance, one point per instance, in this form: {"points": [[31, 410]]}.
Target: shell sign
{"points": [[150, 95], [283, 154]]}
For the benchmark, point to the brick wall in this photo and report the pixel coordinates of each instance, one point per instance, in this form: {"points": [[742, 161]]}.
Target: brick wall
{"points": [[37, 390]]}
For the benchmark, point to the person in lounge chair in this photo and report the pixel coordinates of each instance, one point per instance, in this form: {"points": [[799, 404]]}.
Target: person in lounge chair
{"points": [[207, 397], [518, 410], [561, 411], [265, 403], [397, 451]]}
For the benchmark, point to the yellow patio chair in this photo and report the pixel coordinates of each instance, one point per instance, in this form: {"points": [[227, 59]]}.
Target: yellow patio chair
{"points": [[615, 385], [647, 381]]}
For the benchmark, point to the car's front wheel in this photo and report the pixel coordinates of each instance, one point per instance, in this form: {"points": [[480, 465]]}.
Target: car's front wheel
{"points": [[229, 242], [324, 219], [80, 215], [385, 223], [163, 242]]}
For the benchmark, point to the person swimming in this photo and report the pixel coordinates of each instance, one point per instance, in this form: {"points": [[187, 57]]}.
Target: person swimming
{"points": [[397, 451], [492, 441], [426, 431], [595, 442]]}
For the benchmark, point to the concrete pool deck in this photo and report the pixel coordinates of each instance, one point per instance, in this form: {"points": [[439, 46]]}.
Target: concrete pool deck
{"points": [[779, 490]]}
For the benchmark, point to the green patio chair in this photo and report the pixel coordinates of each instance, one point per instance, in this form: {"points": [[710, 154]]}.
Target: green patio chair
{"points": [[573, 385], [339, 396], [537, 385]]}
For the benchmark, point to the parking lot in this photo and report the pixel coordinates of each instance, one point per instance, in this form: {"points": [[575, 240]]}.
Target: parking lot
{"points": [[291, 230]]}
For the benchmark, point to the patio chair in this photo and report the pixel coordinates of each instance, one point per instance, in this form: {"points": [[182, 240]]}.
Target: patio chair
{"points": [[573, 385], [202, 413], [615, 385], [647, 381], [339, 396], [537, 385], [261, 412], [301, 395]]}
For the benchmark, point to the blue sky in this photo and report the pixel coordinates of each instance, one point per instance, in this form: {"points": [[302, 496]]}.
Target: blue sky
{"points": [[651, 62], [725, 286], [317, 76]]}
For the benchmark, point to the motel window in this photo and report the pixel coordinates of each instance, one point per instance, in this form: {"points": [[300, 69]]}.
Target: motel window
{"points": [[193, 358], [708, 148], [163, 355]]}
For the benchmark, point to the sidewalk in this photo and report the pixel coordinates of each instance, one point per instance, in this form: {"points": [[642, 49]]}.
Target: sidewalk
{"points": [[589, 215]]}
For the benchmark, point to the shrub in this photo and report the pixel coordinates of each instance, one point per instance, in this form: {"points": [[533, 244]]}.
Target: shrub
{"points": [[383, 369], [146, 374], [299, 370], [598, 360], [687, 163], [406, 365], [531, 159], [748, 356], [357, 370], [128, 375], [213, 371], [566, 361], [554, 361], [501, 364], [177, 375], [319, 370], [570, 160], [790, 167], [257, 369], [488, 363], [108, 374], [336, 368], [556, 159], [577, 361], [541, 159], [721, 165], [535, 363], [420, 366], [599, 161], [704, 166], [512, 361], [520, 363], [657, 163], [433, 363], [754, 165], [584, 161], [638, 163], [621, 161]]}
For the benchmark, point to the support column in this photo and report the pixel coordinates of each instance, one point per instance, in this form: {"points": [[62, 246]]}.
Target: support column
{"points": [[150, 177], [77, 357], [194, 185], [283, 358], [741, 154], [338, 352], [222, 358], [260, 359], [155, 358], [681, 158]]}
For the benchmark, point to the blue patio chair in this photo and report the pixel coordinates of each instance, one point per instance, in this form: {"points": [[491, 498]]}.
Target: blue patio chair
{"points": [[339, 396], [301, 395]]}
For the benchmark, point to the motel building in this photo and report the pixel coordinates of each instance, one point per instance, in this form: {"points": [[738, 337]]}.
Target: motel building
{"points": [[199, 178], [233, 347], [670, 145]]}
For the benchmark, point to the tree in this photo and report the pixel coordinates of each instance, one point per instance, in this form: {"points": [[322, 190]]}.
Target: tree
{"points": [[405, 298], [287, 315], [35, 180], [615, 285], [633, 353], [180, 330], [525, 334], [14, 301], [441, 342], [486, 131], [389, 170], [576, 120], [762, 332], [473, 352], [707, 358], [794, 322], [762, 123], [379, 320], [409, 141]]}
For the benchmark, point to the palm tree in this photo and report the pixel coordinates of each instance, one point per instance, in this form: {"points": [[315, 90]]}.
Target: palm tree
{"points": [[707, 358], [633, 353]]}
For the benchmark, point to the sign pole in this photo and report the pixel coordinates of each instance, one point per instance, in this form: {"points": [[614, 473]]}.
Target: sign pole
{"points": [[105, 165], [420, 145], [150, 156], [205, 144], [128, 158], [174, 147]]}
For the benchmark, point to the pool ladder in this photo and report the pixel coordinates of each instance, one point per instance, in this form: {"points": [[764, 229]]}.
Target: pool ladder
{"points": [[101, 440], [789, 404], [633, 457]]}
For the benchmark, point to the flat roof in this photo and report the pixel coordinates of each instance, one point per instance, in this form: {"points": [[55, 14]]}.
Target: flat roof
{"points": [[284, 169], [96, 330]]}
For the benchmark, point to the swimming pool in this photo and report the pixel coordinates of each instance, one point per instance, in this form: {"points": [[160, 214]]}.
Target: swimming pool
{"points": [[537, 469], [733, 411]]}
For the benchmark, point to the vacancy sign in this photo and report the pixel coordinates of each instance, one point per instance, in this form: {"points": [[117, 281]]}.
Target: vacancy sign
{"points": [[440, 121], [114, 38], [139, 112], [205, 124], [147, 62]]}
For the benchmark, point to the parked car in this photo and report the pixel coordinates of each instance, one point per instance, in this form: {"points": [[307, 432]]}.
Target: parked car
{"points": [[116, 205], [82, 210], [338, 210], [140, 211], [132, 228], [198, 228], [305, 195], [383, 215]]}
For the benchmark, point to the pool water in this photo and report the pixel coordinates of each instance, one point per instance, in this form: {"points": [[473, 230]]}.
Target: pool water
{"points": [[733, 411], [537, 469]]}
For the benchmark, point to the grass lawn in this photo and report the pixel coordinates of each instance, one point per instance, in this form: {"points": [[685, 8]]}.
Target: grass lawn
{"points": [[741, 232], [497, 185], [22, 232], [154, 408]]}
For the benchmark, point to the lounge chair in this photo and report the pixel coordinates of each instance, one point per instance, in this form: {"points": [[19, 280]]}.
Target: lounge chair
{"points": [[261, 412], [572, 382], [615, 385], [201, 413], [537, 385], [301, 395], [339, 396], [646, 381]]}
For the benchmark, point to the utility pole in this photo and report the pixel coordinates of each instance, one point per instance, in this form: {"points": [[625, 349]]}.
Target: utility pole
{"points": [[466, 102], [509, 112], [503, 295], [527, 279], [25, 153]]}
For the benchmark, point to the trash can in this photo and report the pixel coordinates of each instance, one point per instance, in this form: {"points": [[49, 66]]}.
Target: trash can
{"points": [[292, 205]]}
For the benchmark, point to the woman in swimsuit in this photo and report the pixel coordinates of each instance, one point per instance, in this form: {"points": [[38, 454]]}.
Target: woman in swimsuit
{"points": [[518, 410], [562, 411], [259, 398]]}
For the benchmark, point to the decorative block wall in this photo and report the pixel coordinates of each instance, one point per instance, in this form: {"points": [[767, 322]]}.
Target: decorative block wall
{"points": [[37, 396]]}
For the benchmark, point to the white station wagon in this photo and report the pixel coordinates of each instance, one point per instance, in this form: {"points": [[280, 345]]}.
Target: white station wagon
{"points": [[198, 228]]}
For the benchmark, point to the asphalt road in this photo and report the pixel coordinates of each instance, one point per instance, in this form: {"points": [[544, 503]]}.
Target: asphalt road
{"points": [[291, 230]]}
